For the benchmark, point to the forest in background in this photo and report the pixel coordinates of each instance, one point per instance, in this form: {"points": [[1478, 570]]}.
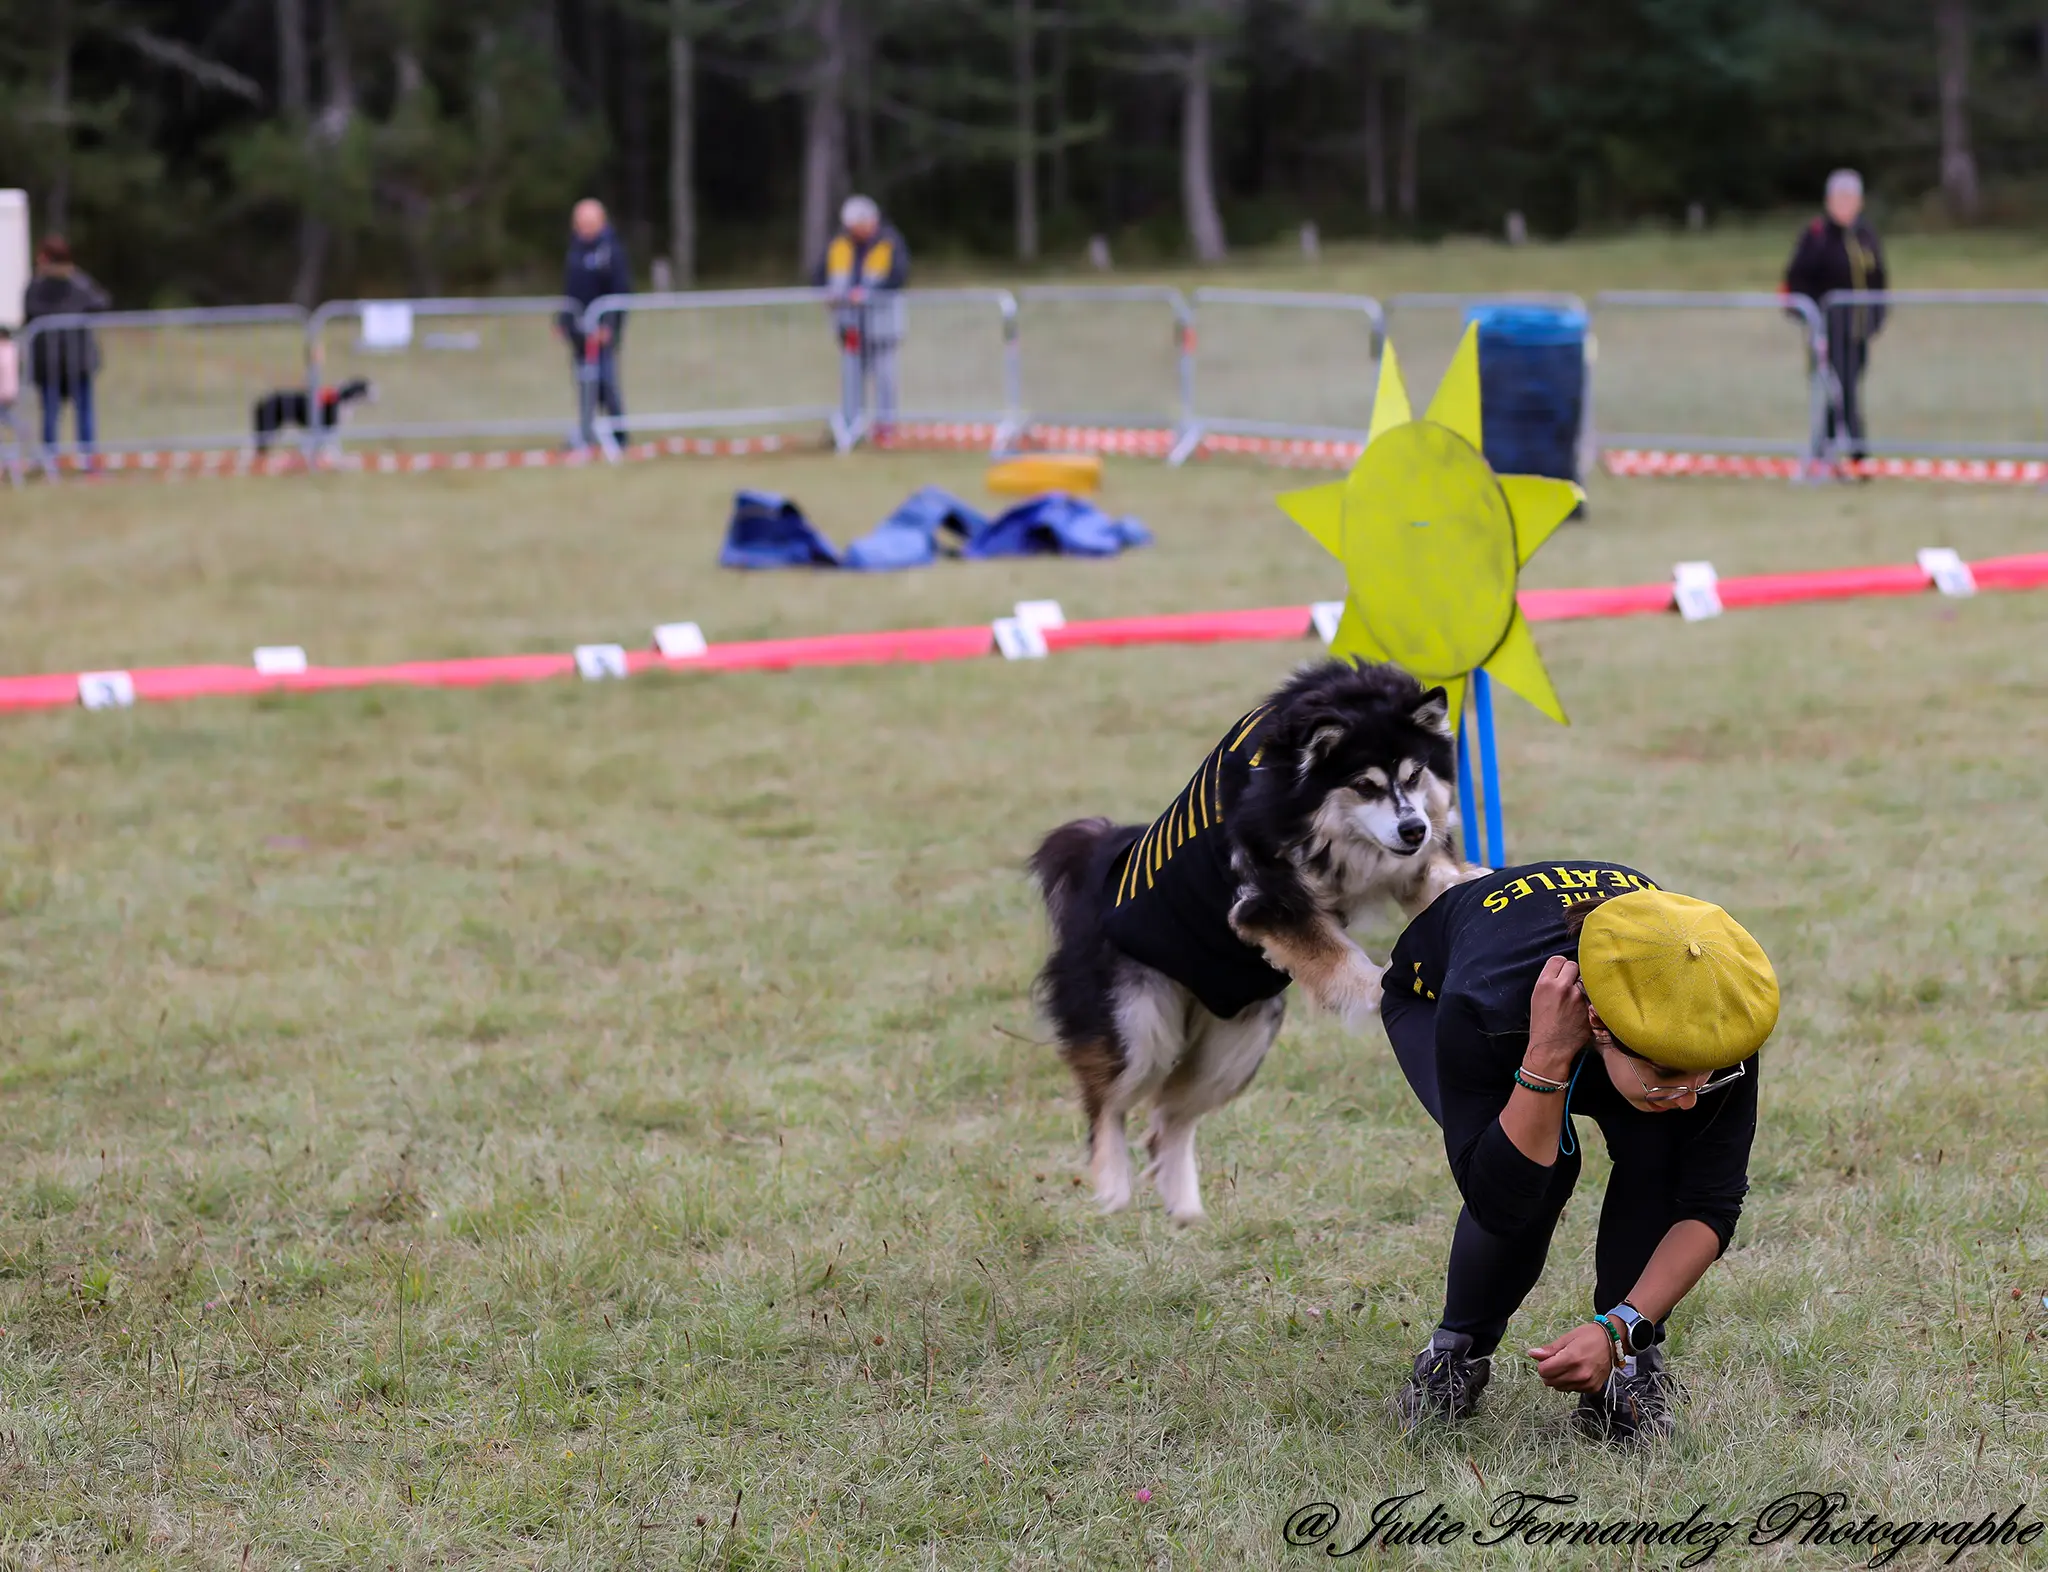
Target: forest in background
{"points": [[208, 151]]}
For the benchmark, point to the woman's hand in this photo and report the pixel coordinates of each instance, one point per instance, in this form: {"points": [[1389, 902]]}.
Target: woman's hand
{"points": [[1558, 1023], [1579, 1361]]}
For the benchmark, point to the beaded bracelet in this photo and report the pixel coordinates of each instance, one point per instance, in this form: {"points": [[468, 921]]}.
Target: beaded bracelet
{"points": [[1537, 1083], [1614, 1332]]}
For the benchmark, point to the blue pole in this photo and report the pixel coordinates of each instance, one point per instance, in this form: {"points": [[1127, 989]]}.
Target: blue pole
{"points": [[1468, 794], [1489, 770]]}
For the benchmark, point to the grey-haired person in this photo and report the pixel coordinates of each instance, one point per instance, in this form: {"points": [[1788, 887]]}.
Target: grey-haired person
{"points": [[1839, 251], [863, 271]]}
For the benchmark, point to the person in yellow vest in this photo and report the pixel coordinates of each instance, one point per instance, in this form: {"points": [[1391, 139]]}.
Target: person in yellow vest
{"points": [[864, 271]]}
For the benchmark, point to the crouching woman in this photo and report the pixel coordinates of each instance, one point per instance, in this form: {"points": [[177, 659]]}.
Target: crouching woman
{"points": [[1579, 988]]}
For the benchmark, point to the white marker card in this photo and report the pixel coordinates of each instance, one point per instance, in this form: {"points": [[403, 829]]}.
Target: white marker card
{"points": [[1325, 615], [679, 640], [1696, 589], [387, 324], [106, 690], [597, 662], [1019, 640], [280, 660], [1951, 575], [1040, 613]]}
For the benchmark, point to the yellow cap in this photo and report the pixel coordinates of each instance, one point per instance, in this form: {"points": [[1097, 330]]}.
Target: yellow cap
{"points": [[1678, 981]]}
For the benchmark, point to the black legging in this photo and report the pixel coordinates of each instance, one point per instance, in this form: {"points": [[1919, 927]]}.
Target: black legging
{"points": [[1847, 354], [1491, 1274], [1847, 335]]}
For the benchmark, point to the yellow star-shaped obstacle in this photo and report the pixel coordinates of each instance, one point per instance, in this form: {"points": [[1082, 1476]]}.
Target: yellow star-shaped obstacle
{"points": [[1432, 541]]}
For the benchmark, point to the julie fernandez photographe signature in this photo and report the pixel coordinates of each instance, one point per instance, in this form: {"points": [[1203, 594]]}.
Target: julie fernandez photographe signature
{"points": [[1526, 1517]]}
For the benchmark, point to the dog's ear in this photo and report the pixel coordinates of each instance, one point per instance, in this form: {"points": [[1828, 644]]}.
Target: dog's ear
{"points": [[1434, 712], [1322, 742]]}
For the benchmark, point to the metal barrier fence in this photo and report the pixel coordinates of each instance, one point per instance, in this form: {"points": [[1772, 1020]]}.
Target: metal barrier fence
{"points": [[1948, 373], [147, 380], [1115, 355], [1268, 363], [442, 369], [1960, 373], [959, 358], [723, 359], [757, 359], [1685, 372], [772, 358]]}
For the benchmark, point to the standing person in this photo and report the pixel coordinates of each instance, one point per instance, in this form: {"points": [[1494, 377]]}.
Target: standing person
{"points": [[10, 390], [1838, 250], [596, 266], [1551, 989], [63, 361], [865, 266]]}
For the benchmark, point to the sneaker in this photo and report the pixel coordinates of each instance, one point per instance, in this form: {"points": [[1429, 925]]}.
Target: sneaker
{"points": [[1446, 1384], [1634, 1406]]}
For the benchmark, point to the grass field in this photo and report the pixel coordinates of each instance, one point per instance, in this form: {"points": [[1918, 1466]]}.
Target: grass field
{"points": [[581, 1126]]}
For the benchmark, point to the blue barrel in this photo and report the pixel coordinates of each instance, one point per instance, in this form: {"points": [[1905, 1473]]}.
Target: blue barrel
{"points": [[1532, 387]]}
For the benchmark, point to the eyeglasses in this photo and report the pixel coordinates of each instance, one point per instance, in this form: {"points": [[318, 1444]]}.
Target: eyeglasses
{"points": [[1665, 1094]]}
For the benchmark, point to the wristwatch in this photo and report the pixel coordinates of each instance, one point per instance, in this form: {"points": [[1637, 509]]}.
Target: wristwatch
{"points": [[1638, 1334]]}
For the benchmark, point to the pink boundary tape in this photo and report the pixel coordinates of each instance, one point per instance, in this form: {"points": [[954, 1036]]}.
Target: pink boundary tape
{"points": [[921, 645]]}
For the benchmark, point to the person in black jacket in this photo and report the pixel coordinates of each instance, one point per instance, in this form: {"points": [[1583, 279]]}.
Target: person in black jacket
{"points": [[596, 266], [1839, 251], [63, 361], [1563, 988]]}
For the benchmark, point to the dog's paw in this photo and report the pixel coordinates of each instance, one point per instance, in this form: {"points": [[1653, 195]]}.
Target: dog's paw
{"points": [[1113, 1196], [1178, 1191], [1355, 992]]}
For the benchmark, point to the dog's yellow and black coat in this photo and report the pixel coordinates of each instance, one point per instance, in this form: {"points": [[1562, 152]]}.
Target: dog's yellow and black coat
{"points": [[1171, 891]]}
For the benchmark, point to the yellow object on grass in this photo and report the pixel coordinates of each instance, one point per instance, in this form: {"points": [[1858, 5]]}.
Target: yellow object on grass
{"points": [[1432, 541], [1039, 472], [1678, 981]]}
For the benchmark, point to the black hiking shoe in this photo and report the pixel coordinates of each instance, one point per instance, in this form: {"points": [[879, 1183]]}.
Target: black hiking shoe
{"points": [[1446, 1384], [1635, 1405]]}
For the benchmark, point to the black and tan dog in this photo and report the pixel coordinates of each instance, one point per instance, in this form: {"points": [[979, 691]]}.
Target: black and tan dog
{"points": [[1173, 942]]}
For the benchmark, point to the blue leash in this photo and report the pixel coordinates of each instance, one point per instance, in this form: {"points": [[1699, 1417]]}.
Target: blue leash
{"points": [[1567, 1141]]}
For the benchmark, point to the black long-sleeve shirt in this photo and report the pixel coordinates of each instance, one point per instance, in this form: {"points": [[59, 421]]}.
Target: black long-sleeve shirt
{"points": [[592, 269], [1832, 256], [1477, 952]]}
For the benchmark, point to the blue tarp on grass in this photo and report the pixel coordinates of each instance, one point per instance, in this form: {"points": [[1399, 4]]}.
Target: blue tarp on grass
{"points": [[768, 531], [909, 537], [771, 532], [1057, 524]]}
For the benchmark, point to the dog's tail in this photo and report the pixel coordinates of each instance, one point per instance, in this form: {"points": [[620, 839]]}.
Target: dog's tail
{"points": [[1070, 866], [1062, 863]]}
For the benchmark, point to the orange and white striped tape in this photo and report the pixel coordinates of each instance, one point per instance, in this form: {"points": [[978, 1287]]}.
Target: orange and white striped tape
{"points": [[981, 436], [1651, 461], [179, 463]]}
